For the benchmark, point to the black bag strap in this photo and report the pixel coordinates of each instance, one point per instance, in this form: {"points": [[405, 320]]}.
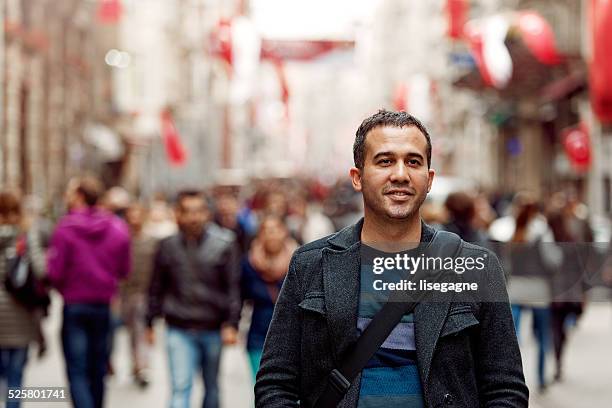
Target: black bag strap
{"points": [[443, 244]]}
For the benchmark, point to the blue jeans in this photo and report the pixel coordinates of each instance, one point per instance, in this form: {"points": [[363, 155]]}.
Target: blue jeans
{"points": [[541, 331], [85, 337], [188, 351], [12, 363]]}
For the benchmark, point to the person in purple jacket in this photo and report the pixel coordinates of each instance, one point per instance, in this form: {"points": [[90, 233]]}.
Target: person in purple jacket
{"points": [[89, 252]]}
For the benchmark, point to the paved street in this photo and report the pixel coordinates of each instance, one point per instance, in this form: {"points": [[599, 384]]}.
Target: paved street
{"points": [[587, 376]]}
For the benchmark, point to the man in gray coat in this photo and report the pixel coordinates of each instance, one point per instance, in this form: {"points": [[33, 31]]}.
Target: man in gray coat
{"points": [[452, 350]]}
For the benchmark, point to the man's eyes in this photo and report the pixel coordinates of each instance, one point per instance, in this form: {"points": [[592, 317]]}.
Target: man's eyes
{"points": [[386, 162]]}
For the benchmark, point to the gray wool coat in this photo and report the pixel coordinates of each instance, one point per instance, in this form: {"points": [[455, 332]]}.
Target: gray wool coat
{"points": [[467, 351]]}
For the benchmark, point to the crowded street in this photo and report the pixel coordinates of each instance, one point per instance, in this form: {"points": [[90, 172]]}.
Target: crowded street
{"points": [[589, 367], [314, 203]]}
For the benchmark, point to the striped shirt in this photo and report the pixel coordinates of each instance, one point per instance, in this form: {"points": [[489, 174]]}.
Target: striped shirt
{"points": [[391, 377]]}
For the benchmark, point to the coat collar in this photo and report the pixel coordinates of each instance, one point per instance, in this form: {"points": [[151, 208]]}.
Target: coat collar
{"points": [[347, 237], [351, 235]]}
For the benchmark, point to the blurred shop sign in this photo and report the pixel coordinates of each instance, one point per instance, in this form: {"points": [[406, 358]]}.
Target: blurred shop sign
{"points": [[226, 38]]}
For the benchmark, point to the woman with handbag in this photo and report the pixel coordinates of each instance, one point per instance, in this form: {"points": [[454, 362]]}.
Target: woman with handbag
{"points": [[21, 263]]}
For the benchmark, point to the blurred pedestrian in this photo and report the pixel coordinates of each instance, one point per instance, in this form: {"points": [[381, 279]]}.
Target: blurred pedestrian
{"points": [[276, 204], [19, 321], [462, 211], [533, 257], [263, 271], [195, 286], [134, 291], [227, 216], [160, 221], [568, 284], [116, 200], [307, 221], [88, 254]]}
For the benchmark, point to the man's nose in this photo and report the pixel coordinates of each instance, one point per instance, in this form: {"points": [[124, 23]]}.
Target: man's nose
{"points": [[400, 173]]}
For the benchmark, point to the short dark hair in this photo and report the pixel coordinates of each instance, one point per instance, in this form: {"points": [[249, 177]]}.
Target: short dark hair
{"points": [[9, 203], [386, 118], [91, 189], [460, 206], [183, 194]]}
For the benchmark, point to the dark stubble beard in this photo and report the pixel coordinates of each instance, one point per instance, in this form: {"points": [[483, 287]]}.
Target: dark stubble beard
{"points": [[375, 202]]}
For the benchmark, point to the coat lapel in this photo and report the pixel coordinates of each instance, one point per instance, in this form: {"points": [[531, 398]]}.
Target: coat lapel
{"points": [[341, 279], [429, 317]]}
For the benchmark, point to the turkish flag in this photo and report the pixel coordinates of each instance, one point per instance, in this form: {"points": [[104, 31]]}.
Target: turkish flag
{"points": [[577, 146], [175, 151], [474, 34], [220, 41], [400, 97], [539, 37], [457, 11], [284, 84], [109, 11], [600, 75]]}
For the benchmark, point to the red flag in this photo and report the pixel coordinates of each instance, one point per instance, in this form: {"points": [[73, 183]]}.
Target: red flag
{"points": [[457, 15], [175, 151], [220, 41], [109, 11], [600, 75], [577, 146], [284, 85], [539, 37], [475, 38], [400, 97]]}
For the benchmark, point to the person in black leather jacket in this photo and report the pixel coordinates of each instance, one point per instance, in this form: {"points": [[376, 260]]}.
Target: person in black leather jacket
{"points": [[195, 287]]}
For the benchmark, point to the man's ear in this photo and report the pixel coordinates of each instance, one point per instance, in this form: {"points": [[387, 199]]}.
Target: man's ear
{"points": [[355, 175], [432, 173]]}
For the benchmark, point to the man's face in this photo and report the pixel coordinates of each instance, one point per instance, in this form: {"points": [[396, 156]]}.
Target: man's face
{"points": [[135, 217], [273, 235], [395, 178], [227, 210], [192, 215], [276, 204]]}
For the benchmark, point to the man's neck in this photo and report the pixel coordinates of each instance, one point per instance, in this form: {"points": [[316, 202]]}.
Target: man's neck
{"points": [[77, 207], [391, 235]]}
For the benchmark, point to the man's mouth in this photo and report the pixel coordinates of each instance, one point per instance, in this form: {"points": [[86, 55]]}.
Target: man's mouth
{"points": [[399, 195]]}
